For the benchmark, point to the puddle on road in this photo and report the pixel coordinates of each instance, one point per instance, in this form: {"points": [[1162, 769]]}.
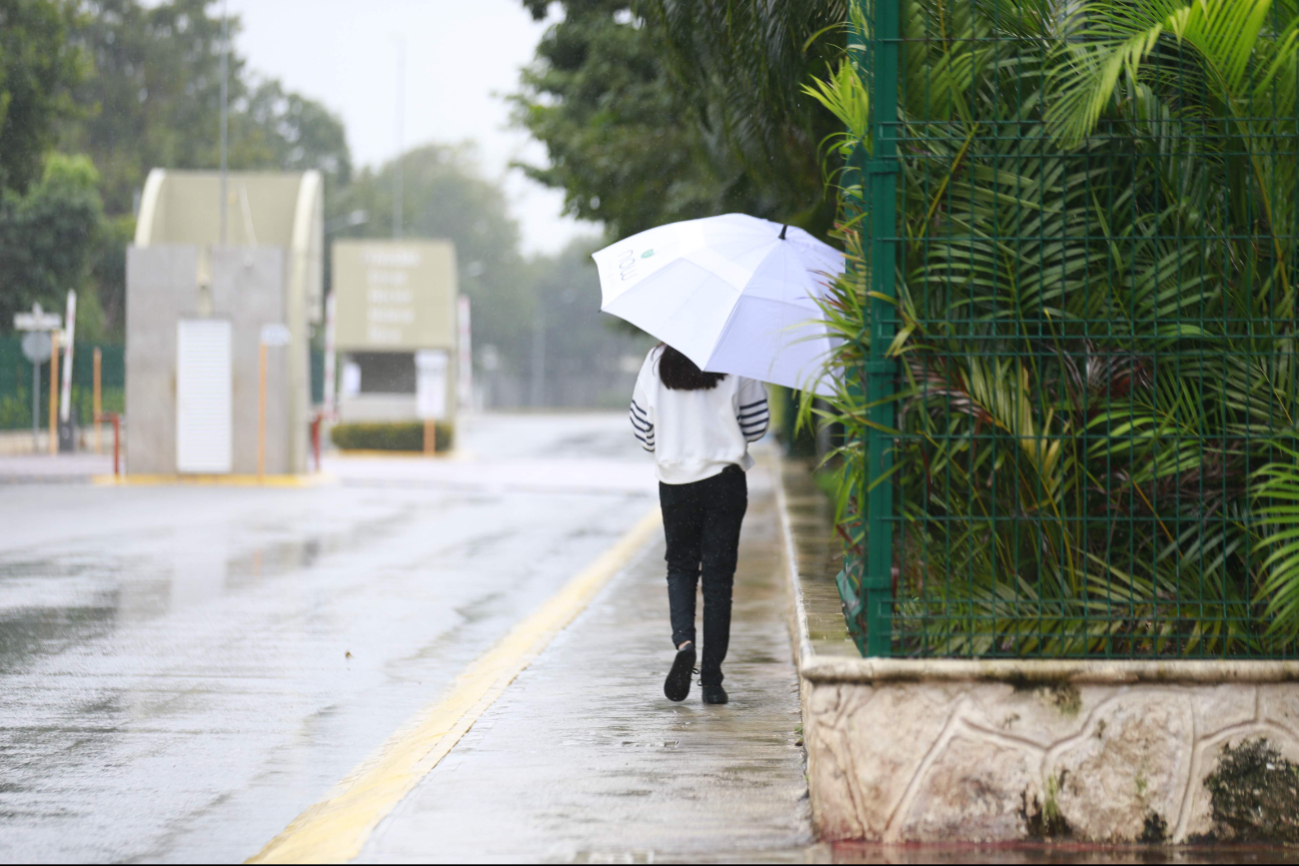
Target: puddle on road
{"points": [[48, 604], [588, 445]]}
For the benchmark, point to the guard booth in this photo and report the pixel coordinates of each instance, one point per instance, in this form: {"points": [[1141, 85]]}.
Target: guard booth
{"points": [[217, 336], [396, 330]]}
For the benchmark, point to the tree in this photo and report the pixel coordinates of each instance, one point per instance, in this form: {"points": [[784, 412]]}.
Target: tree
{"points": [[37, 68], [154, 100], [653, 111], [48, 237], [298, 133], [621, 143]]}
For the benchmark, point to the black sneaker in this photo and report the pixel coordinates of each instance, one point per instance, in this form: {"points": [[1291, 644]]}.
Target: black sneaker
{"points": [[715, 695], [677, 685]]}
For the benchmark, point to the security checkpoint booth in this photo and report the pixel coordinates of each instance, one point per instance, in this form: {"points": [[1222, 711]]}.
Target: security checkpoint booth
{"points": [[217, 334], [396, 330]]}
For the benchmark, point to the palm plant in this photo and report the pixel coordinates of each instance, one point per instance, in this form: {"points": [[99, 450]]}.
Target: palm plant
{"points": [[1097, 311]]}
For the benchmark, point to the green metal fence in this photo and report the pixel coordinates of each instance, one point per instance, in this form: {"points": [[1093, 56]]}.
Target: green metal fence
{"points": [[16, 384], [1080, 232]]}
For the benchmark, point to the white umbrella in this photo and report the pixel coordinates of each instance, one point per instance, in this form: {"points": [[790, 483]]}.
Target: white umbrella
{"points": [[733, 293]]}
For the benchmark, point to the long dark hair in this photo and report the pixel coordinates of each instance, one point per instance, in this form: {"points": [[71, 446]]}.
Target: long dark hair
{"points": [[680, 373]]}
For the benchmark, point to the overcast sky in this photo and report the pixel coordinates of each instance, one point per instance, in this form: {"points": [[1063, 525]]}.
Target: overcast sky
{"points": [[462, 56]]}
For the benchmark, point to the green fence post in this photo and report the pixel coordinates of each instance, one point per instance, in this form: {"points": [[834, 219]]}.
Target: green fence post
{"points": [[881, 179]]}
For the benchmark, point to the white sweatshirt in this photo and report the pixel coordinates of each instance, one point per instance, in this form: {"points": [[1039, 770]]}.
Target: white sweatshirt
{"points": [[696, 434]]}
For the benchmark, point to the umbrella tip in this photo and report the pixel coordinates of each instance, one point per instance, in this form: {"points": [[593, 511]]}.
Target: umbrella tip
{"points": [[783, 229]]}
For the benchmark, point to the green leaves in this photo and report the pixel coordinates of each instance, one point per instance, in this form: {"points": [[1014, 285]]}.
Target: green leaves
{"points": [[844, 95], [1278, 516], [38, 67], [48, 236], [150, 98], [1094, 328]]}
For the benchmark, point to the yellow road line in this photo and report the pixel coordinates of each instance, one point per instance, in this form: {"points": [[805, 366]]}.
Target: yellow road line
{"points": [[335, 829]]}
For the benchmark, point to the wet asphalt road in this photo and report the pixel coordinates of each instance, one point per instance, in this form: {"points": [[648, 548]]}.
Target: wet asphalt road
{"points": [[183, 670]]}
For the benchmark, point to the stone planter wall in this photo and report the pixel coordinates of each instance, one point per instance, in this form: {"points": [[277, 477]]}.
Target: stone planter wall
{"points": [[932, 750]]}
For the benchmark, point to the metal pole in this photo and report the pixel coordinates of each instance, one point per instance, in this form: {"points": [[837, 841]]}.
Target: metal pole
{"points": [[331, 360], [465, 357], [398, 192], [54, 393], [397, 180], [97, 399], [36, 407], [261, 414], [70, 328], [117, 444], [225, 100], [882, 177]]}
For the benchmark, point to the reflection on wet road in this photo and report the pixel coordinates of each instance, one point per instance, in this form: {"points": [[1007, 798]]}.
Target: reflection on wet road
{"points": [[184, 669]]}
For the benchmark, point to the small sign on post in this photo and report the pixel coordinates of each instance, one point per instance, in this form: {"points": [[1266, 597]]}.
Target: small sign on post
{"points": [[275, 335], [38, 320], [39, 347]]}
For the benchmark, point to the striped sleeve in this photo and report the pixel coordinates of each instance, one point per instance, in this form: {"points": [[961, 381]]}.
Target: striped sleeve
{"points": [[753, 412], [642, 419], [641, 426]]}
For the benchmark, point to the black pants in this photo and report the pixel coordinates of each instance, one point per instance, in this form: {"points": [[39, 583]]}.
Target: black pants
{"points": [[702, 524]]}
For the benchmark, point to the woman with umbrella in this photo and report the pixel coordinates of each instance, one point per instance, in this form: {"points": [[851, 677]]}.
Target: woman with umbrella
{"points": [[699, 426], [734, 298]]}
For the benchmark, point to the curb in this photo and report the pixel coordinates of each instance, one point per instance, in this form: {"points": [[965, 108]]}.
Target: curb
{"points": [[319, 479]]}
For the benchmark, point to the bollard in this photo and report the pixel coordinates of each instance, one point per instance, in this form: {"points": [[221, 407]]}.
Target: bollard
{"points": [[316, 424]]}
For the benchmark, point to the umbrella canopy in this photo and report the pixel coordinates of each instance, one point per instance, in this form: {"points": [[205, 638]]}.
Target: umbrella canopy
{"points": [[734, 293]]}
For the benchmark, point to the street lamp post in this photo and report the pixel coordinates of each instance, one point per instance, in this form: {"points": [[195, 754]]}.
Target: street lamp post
{"points": [[397, 180], [225, 99]]}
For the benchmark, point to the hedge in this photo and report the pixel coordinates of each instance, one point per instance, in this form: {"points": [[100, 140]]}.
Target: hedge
{"points": [[390, 436]]}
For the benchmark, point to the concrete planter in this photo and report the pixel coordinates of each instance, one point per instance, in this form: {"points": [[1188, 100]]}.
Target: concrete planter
{"points": [[929, 750]]}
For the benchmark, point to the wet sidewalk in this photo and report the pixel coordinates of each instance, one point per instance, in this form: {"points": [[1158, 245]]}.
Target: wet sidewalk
{"points": [[583, 759]]}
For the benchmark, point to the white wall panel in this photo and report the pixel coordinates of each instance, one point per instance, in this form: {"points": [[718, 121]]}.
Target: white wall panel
{"points": [[203, 396]]}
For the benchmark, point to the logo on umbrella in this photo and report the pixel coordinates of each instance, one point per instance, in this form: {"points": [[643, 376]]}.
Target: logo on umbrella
{"points": [[647, 254]]}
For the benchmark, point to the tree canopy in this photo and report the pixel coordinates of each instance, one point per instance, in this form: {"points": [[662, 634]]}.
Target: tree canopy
{"points": [[622, 145], [153, 99], [38, 68], [48, 237], [657, 110], [132, 87]]}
